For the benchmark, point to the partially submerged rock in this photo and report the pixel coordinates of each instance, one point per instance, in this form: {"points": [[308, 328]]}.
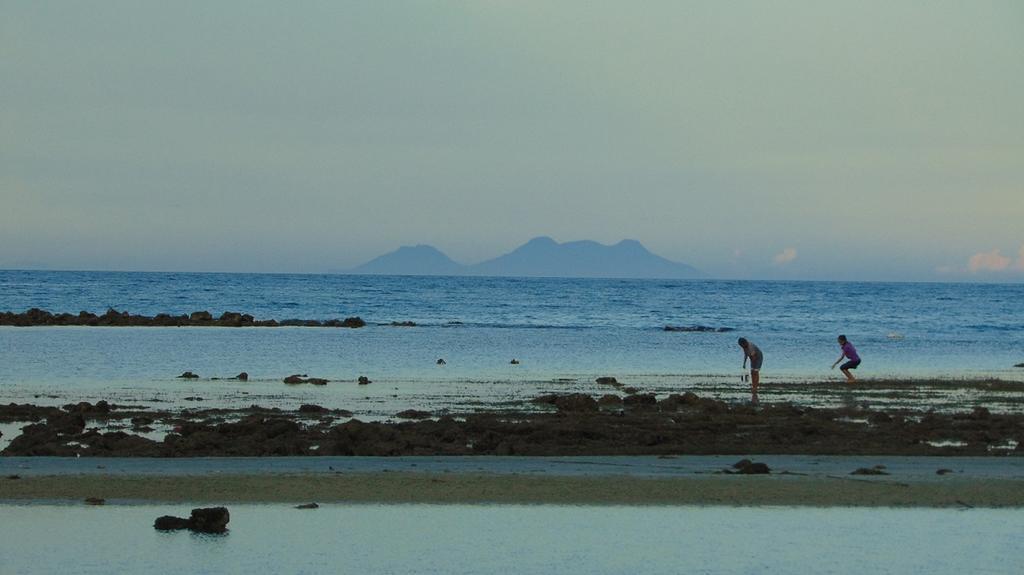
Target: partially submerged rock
{"points": [[202, 520], [698, 328], [748, 467], [297, 379], [413, 414], [188, 375], [876, 470]]}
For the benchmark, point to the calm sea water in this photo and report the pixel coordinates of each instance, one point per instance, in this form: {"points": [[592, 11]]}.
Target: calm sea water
{"points": [[514, 539], [565, 332]]}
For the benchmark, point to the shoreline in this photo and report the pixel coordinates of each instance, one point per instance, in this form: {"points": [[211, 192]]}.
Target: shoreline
{"points": [[441, 488]]}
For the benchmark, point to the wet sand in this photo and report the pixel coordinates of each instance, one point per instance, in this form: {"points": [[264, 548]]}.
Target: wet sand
{"points": [[788, 490]]}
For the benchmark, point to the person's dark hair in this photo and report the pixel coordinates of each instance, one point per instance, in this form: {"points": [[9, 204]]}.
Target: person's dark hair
{"points": [[743, 342], [842, 338]]}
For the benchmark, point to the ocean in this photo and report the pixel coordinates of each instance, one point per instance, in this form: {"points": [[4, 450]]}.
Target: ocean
{"points": [[352, 538], [563, 332]]}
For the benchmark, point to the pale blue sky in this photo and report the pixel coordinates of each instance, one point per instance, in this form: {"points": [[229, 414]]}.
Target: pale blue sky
{"points": [[822, 140]]}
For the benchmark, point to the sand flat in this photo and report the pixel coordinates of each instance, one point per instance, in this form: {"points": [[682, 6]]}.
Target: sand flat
{"points": [[477, 488]]}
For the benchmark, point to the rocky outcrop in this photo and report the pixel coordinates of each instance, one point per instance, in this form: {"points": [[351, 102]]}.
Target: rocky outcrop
{"points": [[555, 425], [202, 520], [114, 318]]}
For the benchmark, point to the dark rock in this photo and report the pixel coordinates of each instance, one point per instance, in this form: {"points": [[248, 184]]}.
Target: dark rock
{"points": [[514, 361], [943, 471], [242, 376], [675, 401], [609, 400], [575, 402], [413, 414], [631, 390], [95, 501], [309, 408], [869, 471], [1019, 365], [170, 523], [13, 477], [308, 506], [142, 420], [980, 413], [188, 375], [403, 324], [639, 400], [296, 379], [66, 423], [350, 322], [209, 520], [748, 467], [84, 407], [698, 328], [193, 398], [200, 316], [441, 361], [607, 381], [363, 380], [755, 469]]}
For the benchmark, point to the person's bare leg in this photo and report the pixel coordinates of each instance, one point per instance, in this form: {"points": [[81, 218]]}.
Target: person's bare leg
{"points": [[755, 379], [849, 376]]}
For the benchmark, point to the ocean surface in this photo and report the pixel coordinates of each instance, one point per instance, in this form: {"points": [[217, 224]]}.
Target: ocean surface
{"points": [[514, 539], [564, 332]]}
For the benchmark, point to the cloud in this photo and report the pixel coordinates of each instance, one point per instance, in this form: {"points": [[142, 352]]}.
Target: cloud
{"points": [[785, 256], [992, 261]]}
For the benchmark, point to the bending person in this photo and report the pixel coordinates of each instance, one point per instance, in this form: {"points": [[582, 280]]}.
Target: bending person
{"points": [[752, 352], [853, 360]]}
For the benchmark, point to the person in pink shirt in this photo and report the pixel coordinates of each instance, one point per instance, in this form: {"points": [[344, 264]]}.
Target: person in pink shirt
{"points": [[853, 360]]}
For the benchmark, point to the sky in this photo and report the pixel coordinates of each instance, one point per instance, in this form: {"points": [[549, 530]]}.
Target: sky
{"points": [[765, 140]]}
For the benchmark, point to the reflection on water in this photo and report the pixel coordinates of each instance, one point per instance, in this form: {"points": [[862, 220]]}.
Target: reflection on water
{"points": [[518, 539]]}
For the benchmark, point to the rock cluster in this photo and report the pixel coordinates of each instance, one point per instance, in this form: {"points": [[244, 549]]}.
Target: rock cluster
{"points": [[202, 520], [112, 317], [555, 425]]}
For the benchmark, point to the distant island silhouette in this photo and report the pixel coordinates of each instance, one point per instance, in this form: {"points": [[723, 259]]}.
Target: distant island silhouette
{"points": [[539, 257]]}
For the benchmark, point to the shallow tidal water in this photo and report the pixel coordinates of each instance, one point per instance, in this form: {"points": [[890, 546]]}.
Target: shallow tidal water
{"points": [[48, 538]]}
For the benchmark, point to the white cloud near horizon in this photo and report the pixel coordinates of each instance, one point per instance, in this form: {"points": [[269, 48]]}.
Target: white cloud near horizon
{"points": [[995, 261], [992, 261], [785, 256]]}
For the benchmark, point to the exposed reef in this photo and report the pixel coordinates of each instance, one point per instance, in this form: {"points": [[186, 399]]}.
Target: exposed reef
{"points": [[114, 318]]}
